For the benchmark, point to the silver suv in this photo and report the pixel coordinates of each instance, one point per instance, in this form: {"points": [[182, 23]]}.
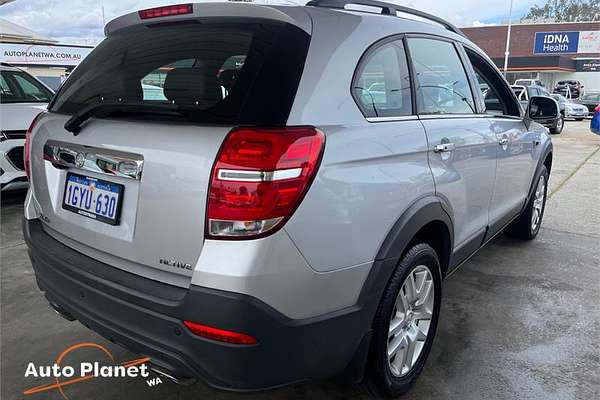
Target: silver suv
{"points": [[285, 201]]}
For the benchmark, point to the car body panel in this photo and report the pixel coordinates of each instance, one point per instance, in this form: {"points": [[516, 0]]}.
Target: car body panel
{"points": [[15, 118], [181, 167], [464, 176]]}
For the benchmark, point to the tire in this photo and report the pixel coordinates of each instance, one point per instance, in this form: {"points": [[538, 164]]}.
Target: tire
{"points": [[558, 127], [421, 263], [523, 227]]}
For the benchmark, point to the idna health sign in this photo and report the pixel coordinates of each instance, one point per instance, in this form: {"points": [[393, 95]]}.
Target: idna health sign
{"points": [[567, 42]]}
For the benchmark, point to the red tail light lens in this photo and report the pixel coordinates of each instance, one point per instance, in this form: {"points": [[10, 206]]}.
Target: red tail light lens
{"points": [[220, 335], [259, 178], [26, 147], [166, 11]]}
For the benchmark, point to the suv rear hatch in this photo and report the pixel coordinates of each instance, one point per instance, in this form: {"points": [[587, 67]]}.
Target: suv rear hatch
{"points": [[149, 109]]}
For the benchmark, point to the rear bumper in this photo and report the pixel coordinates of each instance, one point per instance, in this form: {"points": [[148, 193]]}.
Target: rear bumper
{"points": [[146, 317]]}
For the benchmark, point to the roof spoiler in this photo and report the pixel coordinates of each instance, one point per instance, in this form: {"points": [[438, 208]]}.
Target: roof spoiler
{"points": [[292, 15]]}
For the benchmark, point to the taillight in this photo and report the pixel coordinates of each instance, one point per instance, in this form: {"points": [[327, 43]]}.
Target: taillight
{"points": [[166, 11], [26, 147], [259, 178], [220, 335]]}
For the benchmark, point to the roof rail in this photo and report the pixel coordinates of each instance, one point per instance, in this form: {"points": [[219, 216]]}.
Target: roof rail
{"points": [[386, 9]]}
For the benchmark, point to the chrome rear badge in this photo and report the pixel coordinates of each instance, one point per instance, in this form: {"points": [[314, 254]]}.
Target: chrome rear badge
{"points": [[176, 264]]}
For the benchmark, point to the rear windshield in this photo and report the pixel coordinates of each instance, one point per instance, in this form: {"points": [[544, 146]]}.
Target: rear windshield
{"points": [[19, 87], [230, 72]]}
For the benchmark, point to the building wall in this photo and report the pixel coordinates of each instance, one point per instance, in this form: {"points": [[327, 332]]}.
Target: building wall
{"points": [[523, 63], [492, 39]]}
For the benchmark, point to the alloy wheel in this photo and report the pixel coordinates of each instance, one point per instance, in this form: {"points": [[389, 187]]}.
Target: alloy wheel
{"points": [[410, 321], [538, 203]]}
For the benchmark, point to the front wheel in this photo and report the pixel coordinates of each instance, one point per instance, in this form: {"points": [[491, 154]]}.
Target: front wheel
{"points": [[527, 225], [405, 322], [558, 127]]}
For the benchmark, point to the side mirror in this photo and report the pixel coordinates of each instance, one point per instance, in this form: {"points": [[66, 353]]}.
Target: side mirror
{"points": [[542, 109]]}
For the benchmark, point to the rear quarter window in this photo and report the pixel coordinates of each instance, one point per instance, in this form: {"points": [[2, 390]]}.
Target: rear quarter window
{"points": [[233, 72]]}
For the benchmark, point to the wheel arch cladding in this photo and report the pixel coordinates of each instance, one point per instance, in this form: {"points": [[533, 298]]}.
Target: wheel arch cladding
{"points": [[425, 221], [423, 218], [548, 161]]}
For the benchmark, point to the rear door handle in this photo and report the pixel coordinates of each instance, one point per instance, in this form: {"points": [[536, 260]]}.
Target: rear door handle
{"points": [[443, 147]]}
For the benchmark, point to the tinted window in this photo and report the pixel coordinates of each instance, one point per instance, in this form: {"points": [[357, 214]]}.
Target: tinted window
{"points": [[382, 84], [497, 96], [18, 87], [491, 99], [441, 79], [225, 72]]}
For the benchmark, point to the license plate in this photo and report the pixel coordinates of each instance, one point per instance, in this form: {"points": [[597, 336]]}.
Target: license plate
{"points": [[93, 198]]}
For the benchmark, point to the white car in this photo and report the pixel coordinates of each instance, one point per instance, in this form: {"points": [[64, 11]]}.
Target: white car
{"points": [[22, 97], [571, 109]]}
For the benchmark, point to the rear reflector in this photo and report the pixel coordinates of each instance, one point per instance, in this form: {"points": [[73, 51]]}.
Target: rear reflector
{"points": [[166, 11], [219, 335], [259, 178], [27, 146]]}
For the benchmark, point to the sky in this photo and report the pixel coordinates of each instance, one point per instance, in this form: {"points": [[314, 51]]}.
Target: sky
{"points": [[80, 21]]}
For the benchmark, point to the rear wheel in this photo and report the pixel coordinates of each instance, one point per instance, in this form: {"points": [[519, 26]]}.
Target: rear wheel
{"points": [[558, 127], [406, 322], [527, 225]]}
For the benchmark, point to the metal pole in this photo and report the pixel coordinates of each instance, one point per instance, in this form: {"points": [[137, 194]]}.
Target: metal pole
{"points": [[507, 52]]}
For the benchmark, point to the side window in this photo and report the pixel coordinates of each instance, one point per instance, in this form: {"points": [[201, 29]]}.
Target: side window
{"points": [[17, 87], [497, 96], [492, 101], [31, 91], [6, 90], [381, 86], [440, 77]]}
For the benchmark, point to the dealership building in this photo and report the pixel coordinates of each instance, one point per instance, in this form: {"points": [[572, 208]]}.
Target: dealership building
{"points": [[45, 58], [548, 52]]}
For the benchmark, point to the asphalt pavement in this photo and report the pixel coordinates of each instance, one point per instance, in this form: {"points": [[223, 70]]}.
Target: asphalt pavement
{"points": [[518, 321]]}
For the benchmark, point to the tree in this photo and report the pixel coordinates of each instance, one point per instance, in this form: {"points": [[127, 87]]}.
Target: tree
{"points": [[564, 11]]}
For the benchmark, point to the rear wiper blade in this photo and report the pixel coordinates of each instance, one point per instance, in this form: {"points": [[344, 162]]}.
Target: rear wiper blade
{"points": [[74, 124]]}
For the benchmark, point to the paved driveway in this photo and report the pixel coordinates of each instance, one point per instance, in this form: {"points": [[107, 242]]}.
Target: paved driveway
{"points": [[519, 321]]}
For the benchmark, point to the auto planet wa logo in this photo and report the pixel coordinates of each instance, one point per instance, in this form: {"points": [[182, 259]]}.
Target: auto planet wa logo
{"points": [[66, 375]]}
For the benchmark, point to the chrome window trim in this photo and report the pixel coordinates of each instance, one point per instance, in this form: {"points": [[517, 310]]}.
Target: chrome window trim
{"points": [[392, 119], [451, 116], [94, 159]]}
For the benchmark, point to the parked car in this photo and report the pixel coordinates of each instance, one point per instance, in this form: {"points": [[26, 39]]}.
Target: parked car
{"points": [[279, 231], [525, 93], [22, 97], [570, 109], [528, 82], [589, 100], [572, 87]]}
